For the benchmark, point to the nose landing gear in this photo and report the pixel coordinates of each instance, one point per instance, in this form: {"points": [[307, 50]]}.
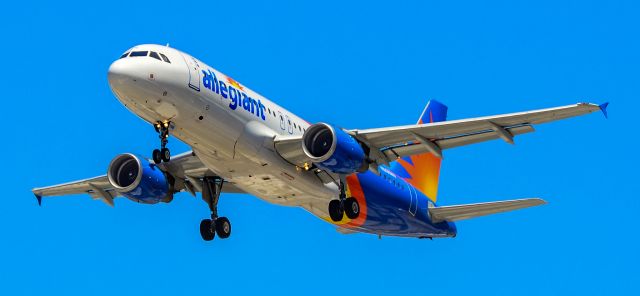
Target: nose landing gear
{"points": [[162, 154], [216, 225]]}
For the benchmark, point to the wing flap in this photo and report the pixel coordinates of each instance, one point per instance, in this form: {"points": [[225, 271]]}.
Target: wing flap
{"points": [[468, 211], [75, 187], [97, 187], [413, 148]]}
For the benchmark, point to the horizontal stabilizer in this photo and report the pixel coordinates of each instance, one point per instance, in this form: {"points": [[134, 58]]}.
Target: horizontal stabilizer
{"points": [[468, 211]]}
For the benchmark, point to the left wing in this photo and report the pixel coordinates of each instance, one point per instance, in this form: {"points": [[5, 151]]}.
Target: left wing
{"points": [[97, 187], [388, 144], [186, 169]]}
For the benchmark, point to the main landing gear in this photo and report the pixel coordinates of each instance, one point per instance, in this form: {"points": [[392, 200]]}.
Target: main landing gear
{"points": [[345, 205], [212, 186], [162, 154]]}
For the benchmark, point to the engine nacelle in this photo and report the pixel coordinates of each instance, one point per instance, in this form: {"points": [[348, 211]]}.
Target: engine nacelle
{"points": [[333, 149], [138, 179]]}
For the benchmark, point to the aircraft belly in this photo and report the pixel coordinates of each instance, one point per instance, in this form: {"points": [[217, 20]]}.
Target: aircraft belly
{"points": [[385, 209], [267, 182]]}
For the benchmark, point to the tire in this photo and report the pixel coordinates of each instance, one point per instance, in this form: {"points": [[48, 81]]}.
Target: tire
{"points": [[223, 227], [335, 210], [165, 154], [156, 156], [206, 231], [351, 208]]}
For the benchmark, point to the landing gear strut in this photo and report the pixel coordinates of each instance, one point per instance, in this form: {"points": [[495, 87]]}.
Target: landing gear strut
{"points": [[345, 205], [162, 154], [212, 186]]}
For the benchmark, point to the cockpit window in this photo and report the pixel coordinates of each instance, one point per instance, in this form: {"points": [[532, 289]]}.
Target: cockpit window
{"points": [[138, 54], [124, 55], [155, 55], [165, 58]]}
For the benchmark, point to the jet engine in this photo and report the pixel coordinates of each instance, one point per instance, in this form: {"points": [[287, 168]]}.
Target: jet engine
{"points": [[333, 149], [139, 180]]}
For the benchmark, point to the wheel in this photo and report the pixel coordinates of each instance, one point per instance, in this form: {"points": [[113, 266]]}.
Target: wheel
{"points": [[335, 210], [206, 231], [156, 156], [351, 208], [223, 227], [165, 154]]}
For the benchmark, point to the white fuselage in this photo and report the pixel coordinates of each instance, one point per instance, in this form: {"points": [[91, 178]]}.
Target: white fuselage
{"points": [[236, 144]]}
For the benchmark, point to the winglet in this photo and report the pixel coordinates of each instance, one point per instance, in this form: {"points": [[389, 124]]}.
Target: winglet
{"points": [[603, 108], [39, 198]]}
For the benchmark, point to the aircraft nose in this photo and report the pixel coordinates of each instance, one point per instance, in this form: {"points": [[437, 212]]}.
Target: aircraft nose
{"points": [[119, 71]]}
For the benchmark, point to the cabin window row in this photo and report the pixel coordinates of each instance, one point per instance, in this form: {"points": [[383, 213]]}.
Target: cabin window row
{"points": [[295, 125], [393, 181]]}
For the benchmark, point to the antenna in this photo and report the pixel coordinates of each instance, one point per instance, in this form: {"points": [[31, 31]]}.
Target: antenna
{"points": [[167, 44]]}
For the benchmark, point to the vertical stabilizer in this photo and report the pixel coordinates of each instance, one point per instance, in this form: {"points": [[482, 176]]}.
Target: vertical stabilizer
{"points": [[423, 170]]}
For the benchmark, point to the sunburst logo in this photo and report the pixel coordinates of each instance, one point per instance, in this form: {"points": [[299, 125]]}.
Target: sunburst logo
{"points": [[234, 83], [424, 172]]}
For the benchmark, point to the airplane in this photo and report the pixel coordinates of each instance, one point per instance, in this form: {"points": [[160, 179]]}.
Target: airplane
{"points": [[380, 181]]}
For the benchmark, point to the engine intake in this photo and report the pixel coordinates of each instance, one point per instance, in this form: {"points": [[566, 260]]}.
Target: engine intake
{"points": [[333, 149], [138, 179]]}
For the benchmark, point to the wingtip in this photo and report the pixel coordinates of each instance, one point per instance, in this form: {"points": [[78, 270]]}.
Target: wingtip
{"points": [[603, 108], [39, 198]]}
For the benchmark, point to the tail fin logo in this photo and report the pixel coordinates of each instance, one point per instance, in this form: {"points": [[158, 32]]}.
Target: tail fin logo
{"points": [[422, 171]]}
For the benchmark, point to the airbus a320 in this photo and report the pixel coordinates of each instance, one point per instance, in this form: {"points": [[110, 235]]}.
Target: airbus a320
{"points": [[381, 181]]}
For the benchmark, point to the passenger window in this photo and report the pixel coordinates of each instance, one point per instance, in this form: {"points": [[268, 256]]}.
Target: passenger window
{"points": [[138, 54], [155, 55], [124, 55], [165, 58]]}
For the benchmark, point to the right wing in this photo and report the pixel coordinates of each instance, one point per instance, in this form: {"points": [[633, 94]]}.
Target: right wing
{"points": [[186, 169], [394, 142], [468, 211], [390, 143]]}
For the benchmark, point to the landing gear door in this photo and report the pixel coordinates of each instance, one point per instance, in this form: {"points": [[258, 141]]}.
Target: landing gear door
{"points": [[194, 72]]}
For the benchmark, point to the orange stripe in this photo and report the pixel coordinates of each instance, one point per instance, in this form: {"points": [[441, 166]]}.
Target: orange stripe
{"points": [[354, 189]]}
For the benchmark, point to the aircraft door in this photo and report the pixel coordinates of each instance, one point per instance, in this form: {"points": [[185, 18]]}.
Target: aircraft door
{"points": [[413, 205], [281, 120], [289, 125], [194, 72]]}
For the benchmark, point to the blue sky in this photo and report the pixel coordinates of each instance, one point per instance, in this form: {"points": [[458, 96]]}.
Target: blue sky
{"points": [[357, 65]]}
